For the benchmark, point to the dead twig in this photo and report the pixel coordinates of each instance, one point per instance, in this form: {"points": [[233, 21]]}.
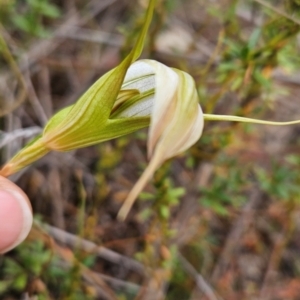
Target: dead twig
{"points": [[238, 228], [278, 11], [201, 283], [88, 246], [35, 103], [96, 36], [44, 90], [9, 137]]}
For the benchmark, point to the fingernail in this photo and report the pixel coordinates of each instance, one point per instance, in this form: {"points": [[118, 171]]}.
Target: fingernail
{"points": [[15, 215]]}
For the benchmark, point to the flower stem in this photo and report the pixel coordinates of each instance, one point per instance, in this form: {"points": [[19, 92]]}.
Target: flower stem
{"points": [[211, 117]]}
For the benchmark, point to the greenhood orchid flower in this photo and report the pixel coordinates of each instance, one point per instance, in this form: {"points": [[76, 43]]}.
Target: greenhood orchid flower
{"points": [[134, 95]]}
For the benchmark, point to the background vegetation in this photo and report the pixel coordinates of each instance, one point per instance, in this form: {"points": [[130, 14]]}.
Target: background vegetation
{"points": [[219, 222]]}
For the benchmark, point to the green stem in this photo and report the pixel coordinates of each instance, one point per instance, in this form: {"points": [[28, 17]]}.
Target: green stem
{"points": [[211, 117], [25, 157]]}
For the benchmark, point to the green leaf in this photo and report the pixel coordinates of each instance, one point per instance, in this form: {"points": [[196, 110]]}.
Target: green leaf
{"points": [[253, 40], [146, 196], [20, 282], [50, 11], [21, 23], [164, 211]]}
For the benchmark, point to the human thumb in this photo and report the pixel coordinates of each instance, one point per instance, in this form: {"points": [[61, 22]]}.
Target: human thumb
{"points": [[15, 215]]}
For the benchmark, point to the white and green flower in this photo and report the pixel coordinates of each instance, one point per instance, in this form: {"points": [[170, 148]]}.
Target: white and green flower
{"points": [[134, 95]]}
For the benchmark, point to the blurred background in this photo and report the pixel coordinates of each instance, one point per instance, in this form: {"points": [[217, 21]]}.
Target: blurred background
{"points": [[219, 222]]}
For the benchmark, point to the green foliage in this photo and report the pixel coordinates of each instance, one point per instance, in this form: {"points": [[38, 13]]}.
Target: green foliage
{"points": [[179, 287], [164, 200], [282, 181], [244, 63], [110, 156], [29, 15], [34, 261], [15, 276], [226, 190]]}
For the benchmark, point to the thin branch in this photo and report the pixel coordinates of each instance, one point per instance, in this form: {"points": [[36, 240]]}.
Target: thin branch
{"points": [[200, 281], [91, 277], [95, 278], [4, 49], [8, 137], [278, 11], [239, 226], [34, 101], [88, 246], [95, 36]]}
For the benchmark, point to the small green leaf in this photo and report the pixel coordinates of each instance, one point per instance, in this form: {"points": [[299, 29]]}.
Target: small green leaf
{"points": [[164, 211], [146, 196], [20, 282], [254, 38]]}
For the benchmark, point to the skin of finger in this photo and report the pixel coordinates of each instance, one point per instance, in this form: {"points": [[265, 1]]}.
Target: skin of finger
{"points": [[18, 221]]}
